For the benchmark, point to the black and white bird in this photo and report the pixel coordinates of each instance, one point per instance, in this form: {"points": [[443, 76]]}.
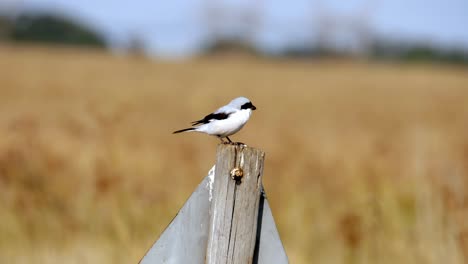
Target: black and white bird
{"points": [[225, 121]]}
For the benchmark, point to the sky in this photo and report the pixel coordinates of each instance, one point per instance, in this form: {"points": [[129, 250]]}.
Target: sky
{"points": [[182, 27]]}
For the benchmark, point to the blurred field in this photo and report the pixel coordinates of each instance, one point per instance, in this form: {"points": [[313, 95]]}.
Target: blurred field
{"points": [[366, 163]]}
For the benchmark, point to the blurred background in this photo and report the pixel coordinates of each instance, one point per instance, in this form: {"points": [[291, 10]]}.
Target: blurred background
{"points": [[362, 113]]}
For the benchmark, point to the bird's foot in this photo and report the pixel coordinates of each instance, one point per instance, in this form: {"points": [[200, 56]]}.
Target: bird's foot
{"points": [[233, 143]]}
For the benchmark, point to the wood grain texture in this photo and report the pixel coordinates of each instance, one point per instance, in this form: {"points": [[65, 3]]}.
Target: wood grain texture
{"points": [[234, 208]]}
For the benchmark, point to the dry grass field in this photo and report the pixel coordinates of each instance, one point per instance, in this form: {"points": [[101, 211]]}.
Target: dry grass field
{"points": [[366, 162]]}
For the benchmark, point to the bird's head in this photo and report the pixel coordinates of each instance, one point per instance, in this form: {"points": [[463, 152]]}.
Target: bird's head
{"points": [[242, 103]]}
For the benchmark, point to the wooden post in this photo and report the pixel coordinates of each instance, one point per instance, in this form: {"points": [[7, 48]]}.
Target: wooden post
{"points": [[225, 220], [234, 208]]}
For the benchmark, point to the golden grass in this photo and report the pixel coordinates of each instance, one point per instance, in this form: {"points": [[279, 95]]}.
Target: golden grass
{"points": [[366, 162]]}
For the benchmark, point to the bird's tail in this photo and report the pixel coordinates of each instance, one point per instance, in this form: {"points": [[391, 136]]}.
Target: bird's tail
{"points": [[184, 130]]}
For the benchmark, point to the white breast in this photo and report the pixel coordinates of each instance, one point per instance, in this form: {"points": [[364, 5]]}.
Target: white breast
{"points": [[228, 126]]}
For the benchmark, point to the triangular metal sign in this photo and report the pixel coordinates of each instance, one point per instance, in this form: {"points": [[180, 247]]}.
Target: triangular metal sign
{"points": [[186, 237]]}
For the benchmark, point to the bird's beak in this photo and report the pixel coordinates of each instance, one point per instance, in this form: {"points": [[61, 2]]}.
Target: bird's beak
{"points": [[253, 107]]}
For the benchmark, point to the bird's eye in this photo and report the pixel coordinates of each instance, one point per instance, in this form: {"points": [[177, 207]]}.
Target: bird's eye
{"points": [[247, 105]]}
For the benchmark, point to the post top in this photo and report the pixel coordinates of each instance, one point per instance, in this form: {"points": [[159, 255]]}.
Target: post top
{"points": [[237, 146]]}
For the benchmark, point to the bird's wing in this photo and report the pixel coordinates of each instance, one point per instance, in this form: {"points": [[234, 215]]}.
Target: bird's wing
{"points": [[219, 114]]}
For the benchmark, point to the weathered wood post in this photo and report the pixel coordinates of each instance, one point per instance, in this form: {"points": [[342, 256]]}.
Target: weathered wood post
{"points": [[234, 209], [227, 219]]}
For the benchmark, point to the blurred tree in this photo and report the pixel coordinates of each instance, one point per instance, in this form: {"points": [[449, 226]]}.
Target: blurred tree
{"points": [[227, 47], [136, 44], [409, 52], [342, 32], [232, 29], [53, 29], [5, 27], [428, 53]]}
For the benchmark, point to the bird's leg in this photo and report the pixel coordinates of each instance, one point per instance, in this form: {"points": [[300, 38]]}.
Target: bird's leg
{"points": [[222, 141], [230, 142]]}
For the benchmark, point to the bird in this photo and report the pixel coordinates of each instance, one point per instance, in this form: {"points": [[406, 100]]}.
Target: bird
{"points": [[225, 121]]}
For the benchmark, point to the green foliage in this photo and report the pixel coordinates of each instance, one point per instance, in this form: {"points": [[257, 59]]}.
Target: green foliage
{"points": [[417, 52], [426, 53], [5, 27], [52, 29]]}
